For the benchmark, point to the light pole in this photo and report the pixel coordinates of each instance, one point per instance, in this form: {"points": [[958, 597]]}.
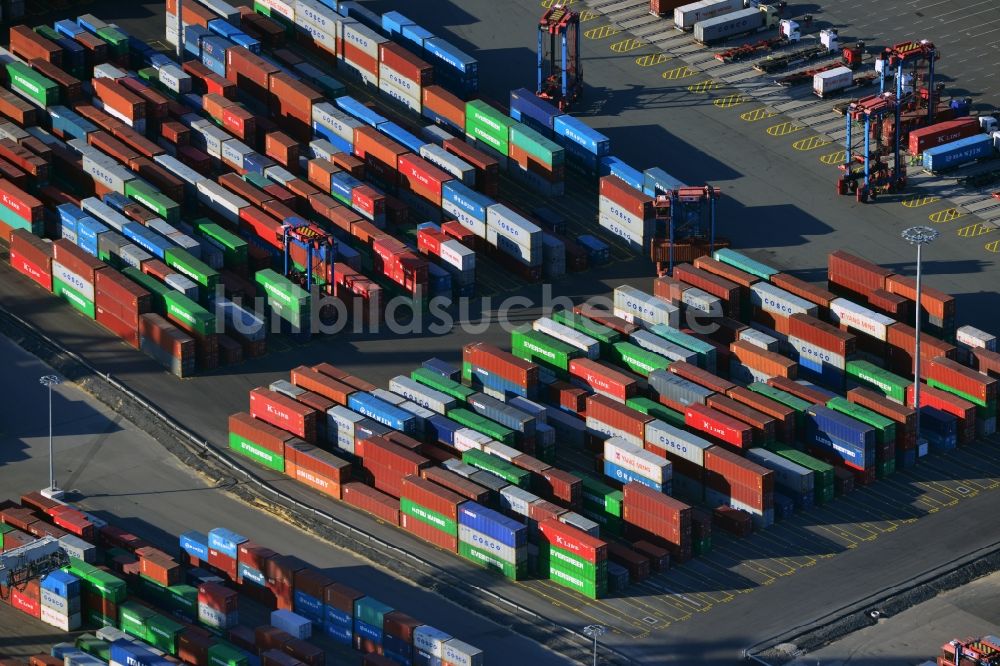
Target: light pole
{"points": [[595, 631], [918, 236], [52, 492]]}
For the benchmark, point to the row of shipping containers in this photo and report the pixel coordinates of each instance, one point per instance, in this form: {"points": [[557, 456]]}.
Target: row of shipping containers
{"points": [[140, 604], [652, 416]]}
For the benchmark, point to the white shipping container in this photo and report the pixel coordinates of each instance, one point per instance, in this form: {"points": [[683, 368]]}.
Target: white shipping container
{"points": [[179, 169], [793, 476], [598, 428], [698, 299], [221, 200], [499, 550], [526, 255], [360, 71], [325, 39], [104, 213], [340, 123], [403, 84], [467, 438], [12, 132], [175, 79], [60, 605], [74, 280], [501, 450], [679, 442], [54, 618], [812, 353], [645, 307], [474, 225], [517, 500], [209, 138], [832, 80], [769, 298], [286, 9], [108, 71], [860, 318], [422, 395], [170, 32], [398, 94], [455, 254], [581, 523], [636, 459], [687, 15], [511, 225], [453, 164], [654, 343], [759, 339], [636, 223], [317, 14], [234, 152], [570, 336], [364, 38], [225, 10], [429, 639], [635, 240], [969, 336], [111, 176], [340, 423], [322, 149]]}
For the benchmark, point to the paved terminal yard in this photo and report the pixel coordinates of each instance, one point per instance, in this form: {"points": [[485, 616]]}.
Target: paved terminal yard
{"points": [[662, 110]]}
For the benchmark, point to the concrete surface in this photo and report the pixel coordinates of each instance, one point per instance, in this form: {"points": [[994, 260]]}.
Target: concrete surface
{"points": [[125, 476], [917, 634]]}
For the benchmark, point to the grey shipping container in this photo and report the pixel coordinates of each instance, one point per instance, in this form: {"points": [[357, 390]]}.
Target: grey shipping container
{"points": [[728, 25]]}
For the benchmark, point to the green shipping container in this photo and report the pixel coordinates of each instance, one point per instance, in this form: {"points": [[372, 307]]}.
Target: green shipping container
{"points": [[425, 515], [433, 380], [823, 478], [490, 561], [507, 471], [189, 315], [484, 425], [257, 453], [115, 39], [546, 151], [568, 561], [183, 598], [604, 335], [162, 633], [656, 410], [184, 262], [602, 496], [744, 263], [371, 611], [281, 289], [575, 582], [94, 646], [234, 249], [787, 399], [885, 428], [706, 352], [466, 372], [157, 289], [73, 297], [32, 85], [154, 200], [222, 654], [94, 618], [488, 125], [964, 396], [149, 75], [133, 619], [637, 359], [543, 349], [610, 525], [868, 374]]}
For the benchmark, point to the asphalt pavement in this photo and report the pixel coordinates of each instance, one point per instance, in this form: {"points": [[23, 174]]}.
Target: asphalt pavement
{"points": [[120, 473]]}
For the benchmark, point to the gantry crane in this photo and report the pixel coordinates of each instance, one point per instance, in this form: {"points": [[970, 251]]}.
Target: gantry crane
{"points": [[907, 61], [38, 559], [560, 73], [876, 173], [315, 242], [686, 213]]}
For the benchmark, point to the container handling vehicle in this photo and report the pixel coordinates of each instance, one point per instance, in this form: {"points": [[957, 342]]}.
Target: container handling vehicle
{"points": [[850, 56], [828, 44], [560, 72]]}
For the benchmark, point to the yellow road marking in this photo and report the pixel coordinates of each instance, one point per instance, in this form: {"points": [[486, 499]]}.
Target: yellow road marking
{"points": [[946, 215], [548, 3], [588, 15], [973, 230], [757, 114], [811, 143], [626, 45], [916, 200], [781, 129], [601, 32], [837, 157], [729, 101], [703, 86], [681, 72], [652, 59], [992, 246]]}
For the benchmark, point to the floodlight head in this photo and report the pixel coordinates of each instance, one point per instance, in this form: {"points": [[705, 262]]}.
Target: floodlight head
{"points": [[49, 380], [594, 630], [920, 235]]}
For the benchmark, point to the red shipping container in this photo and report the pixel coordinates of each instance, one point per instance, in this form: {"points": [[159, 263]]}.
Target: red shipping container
{"points": [[719, 425], [638, 566], [218, 597], [903, 415], [355, 382], [799, 390], [784, 416], [267, 436], [576, 541], [617, 416], [631, 200], [765, 427], [109, 319], [454, 229], [937, 303], [643, 501], [457, 484], [76, 260], [161, 568], [398, 59], [422, 177], [605, 318], [28, 44], [368, 141], [560, 485], [693, 373], [381, 451], [902, 341], [428, 533], [292, 97], [20, 202], [429, 241], [738, 471], [374, 502], [368, 201], [893, 305], [964, 410], [315, 381], [541, 510], [769, 363], [986, 362], [227, 565], [283, 412], [506, 365], [853, 269], [254, 556], [731, 273], [823, 335], [957, 376], [249, 72], [69, 86], [604, 379], [445, 104], [41, 274], [17, 109], [192, 646], [133, 299], [116, 96], [27, 600], [487, 168], [939, 134], [715, 285], [432, 496]]}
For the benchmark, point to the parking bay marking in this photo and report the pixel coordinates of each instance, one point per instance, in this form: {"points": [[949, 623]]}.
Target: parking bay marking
{"points": [[729, 101], [703, 86], [783, 129], [757, 114], [681, 72], [626, 45], [833, 158], [652, 59], [946, 215], [601, 32], [811, 143], [974, 230], [917, 200]]}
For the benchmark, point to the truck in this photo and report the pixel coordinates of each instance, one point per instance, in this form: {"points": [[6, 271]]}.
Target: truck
{"points": [[832, 80], [687, 15], [957, 153], [741, 22]]}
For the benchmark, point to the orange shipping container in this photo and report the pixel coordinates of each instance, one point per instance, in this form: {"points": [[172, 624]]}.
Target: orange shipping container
{"points": [[445, 104], [769, 363], [28, 44], [120, 99]]}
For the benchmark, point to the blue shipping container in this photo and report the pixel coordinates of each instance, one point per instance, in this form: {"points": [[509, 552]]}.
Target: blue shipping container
{"points": [[441, 429], [308, 607], [70, 123], [957, 153], [443, 368], [578, 133], [495, 525], [657, 181], [250, 575], [397, 133], [464, 197], [482, 379], [359, 111], [124, 651], [193, 34], [368, 632], [525, 104], [417, 35], [87, 232], [841, 426], [68, 28], [225, 541], [338, 633], [622, 475], [337, 617], [451, 55], [393, 23], [247, 42], [382, 412], [612, 166], [850, 452], [62, 584]]}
